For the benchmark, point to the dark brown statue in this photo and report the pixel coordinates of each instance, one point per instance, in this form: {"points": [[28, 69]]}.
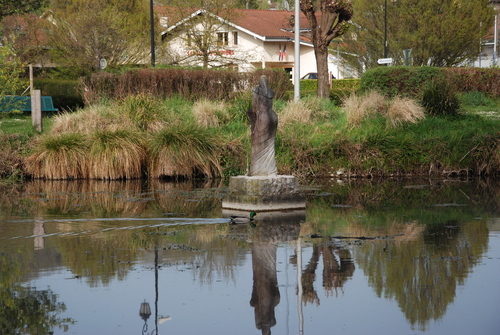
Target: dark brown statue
{"points": [[263, 121]]}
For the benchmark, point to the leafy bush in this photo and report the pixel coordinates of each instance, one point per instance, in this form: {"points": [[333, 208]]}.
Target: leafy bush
{"points": [[475, 98], [66, 94], [439, 98], [399, 80], [410, 81], [308, 84]]}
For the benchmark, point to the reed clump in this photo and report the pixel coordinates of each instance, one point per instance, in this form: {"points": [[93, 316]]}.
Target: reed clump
{"points": [[397, 110], [184, 150], [115, 155], [306, 111], [210, 113], [60, 156]]}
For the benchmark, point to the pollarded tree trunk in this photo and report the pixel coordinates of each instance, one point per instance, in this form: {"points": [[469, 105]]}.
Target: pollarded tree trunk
{"points": [[323, 73], [327, 20]]}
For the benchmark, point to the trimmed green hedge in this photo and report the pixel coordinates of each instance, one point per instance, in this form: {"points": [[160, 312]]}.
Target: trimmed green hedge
{"points": [[410, 81], [66, 94]]}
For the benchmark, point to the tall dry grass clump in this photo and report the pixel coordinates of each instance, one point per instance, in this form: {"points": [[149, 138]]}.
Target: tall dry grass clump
{"points": [[60, 156], [116, 155], [210, 113], [404, 110], [92, 118], [358, 107], [397, 111], [305, 111], [184, 150]]}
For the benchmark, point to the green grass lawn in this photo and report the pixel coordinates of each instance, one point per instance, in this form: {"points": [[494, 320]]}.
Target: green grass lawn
{"points": [[21, 124]]}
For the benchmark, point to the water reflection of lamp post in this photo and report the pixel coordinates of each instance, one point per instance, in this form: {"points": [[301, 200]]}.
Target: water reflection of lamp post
{"points": [[300, 289], [145, 310], [145, 313]]}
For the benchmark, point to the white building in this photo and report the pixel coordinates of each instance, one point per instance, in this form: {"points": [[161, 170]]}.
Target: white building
{"points": [[489, 52], [251, 39]]}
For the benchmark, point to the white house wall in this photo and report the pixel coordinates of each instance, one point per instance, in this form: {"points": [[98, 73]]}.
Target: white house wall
{"points": [[253, 52]]}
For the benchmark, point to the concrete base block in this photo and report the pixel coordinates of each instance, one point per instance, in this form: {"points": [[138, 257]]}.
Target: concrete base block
{"points": [[270, 193]]}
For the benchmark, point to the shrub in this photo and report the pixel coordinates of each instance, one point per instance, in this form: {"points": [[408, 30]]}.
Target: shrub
{"points": [[399, 80], [439, 98], [191, 84]]}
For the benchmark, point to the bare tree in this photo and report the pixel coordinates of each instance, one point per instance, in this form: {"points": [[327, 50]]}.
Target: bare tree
{"points": [[204, 29], [85, 31]]}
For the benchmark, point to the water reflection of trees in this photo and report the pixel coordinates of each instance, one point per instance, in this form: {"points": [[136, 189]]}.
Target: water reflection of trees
{"points": [[422, 274], [26, 310], [435, 236], [338, 267]]}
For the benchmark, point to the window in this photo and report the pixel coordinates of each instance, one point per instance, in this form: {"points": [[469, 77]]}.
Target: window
{"points": [[222, 38], [235, 38]]}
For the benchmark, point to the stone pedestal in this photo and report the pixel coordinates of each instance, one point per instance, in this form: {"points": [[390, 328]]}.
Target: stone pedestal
{"points": [[264, 193]]}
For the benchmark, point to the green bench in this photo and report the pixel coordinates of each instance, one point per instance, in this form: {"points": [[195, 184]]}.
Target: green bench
{"points": [[9, 103]]}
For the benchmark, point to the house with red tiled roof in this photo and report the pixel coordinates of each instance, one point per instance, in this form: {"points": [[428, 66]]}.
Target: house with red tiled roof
{"points": [[249, 39]]}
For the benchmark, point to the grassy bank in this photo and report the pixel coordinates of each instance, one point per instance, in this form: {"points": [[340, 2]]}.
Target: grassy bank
{"points": [[140, 136]]}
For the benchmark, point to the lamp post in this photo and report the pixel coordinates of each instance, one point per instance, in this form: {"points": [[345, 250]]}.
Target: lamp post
{"points": [[386, 48], [296, 53], [152, 26], [385, 28]]}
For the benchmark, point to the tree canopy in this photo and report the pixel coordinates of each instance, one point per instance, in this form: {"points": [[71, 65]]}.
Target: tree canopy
{"points": [[86, 31], [438, 32], [10, 7]]}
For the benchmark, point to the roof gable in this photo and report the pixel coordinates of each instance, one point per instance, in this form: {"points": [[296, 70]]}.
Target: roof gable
{"points": [[262, 24]]}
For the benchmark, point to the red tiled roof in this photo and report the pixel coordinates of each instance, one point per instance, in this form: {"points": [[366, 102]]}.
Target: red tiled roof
{"points": [[265, 23]]}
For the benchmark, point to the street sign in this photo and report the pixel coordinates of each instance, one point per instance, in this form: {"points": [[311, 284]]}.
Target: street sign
{"points": [[385, 61], [103, 63]]}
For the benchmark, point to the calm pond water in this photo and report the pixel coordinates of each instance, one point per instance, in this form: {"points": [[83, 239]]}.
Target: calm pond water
{"points": [[365, 257]]}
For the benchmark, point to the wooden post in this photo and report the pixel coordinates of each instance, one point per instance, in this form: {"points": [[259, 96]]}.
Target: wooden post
{"points": [[36, 110], [31, 79]]}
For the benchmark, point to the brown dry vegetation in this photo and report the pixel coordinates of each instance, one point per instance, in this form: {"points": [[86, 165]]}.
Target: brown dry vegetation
{"points": [[397, 110]]}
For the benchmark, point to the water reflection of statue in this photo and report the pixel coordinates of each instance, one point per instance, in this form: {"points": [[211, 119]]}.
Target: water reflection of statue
{"points": [[265, 238], [263, 121], [265, 293]]}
